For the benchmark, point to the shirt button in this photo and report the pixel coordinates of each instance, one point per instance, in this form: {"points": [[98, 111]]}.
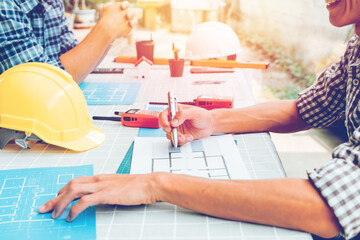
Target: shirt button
{"points": [[356, 82]]}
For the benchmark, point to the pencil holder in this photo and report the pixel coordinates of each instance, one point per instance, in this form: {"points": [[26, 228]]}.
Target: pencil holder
{"points": [[176, 67], [145, 48]]}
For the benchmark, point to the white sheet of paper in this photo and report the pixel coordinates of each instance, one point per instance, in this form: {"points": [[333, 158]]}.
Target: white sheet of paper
{"points": [[215, 157]]}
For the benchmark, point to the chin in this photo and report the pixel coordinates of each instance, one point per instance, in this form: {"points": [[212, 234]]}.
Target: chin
{"points": [[336, 23]]}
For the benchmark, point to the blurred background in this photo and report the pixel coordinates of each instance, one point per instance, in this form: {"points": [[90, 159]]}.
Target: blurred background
{"points": [[295, 36]]}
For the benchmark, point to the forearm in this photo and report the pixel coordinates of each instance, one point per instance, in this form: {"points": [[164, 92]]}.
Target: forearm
{"points": [[83, 58], [289, 203], [279, 116]]}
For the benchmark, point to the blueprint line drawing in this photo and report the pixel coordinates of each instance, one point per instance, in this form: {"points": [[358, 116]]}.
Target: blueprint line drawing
{"points": [[215, 157], [109, 93], [23, 191], [203, 165]]}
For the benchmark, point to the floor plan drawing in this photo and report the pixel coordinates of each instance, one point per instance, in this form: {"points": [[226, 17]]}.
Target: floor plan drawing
{"points": [[215, 157], [23, 191], [201, 164], [110, 93]]}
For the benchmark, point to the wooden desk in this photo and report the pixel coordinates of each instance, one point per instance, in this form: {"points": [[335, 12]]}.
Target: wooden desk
{"points": [[150, 13], [161, 220]]}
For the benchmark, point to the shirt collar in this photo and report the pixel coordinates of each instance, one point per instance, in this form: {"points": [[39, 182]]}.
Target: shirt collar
{"points": [[354, 56], [46, 3], [357, 38]]}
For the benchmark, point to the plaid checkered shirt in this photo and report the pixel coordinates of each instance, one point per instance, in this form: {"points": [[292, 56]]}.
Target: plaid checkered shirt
{"points": [[33, 31], [335, 95]]}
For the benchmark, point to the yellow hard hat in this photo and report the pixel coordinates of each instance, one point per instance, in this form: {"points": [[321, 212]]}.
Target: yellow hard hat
{"points": [[43, 100]]}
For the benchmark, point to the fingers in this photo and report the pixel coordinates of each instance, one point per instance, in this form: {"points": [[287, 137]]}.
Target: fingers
{"points": [[188, 138], [82, 179], [130, 15], [84, 202], [182, 139], [47, 207], [75, 191], [124, 5], [181, 116], [71, 192], [132, 23], [164, 121], [168, 136], [164, 118]]}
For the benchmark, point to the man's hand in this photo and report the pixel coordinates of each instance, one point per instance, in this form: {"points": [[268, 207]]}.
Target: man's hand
{"points": [[102, 189], [192, 122], [117, 18]]}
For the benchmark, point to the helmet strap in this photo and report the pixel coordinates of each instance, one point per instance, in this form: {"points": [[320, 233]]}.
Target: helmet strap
{"points": [[20, 138]]}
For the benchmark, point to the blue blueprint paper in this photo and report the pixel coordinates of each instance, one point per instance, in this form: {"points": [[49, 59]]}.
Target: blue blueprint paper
{"points": [[153, 132], [110, 93], [22, 191]]}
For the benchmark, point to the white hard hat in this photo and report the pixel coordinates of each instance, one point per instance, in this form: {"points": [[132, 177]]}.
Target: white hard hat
{"points": [[211, 40]]}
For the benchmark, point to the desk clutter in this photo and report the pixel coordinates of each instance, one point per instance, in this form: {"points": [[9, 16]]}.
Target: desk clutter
{"points": [[162, 220], [33, 174]]}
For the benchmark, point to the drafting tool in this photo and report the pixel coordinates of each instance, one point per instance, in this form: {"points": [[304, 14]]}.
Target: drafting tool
{"points": [[201, 63], [211, 70], [208, 102], [23, 191], [108, 70], [135, 118], [229, 64], [110, 93], [125, 165], [207, 82]]}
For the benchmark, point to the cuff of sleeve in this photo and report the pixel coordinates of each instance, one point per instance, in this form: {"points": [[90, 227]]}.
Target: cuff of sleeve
{"points": [[338, 183], [302, 104], [59, 64], [56, 63], [312, 111]]}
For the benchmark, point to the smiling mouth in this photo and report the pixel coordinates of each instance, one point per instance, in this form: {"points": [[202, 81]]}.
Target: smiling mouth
{"points": [[329, 3]]}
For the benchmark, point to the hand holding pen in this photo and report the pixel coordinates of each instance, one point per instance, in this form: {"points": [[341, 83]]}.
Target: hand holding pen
{"points": [[172, 113], [191, 123]]}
